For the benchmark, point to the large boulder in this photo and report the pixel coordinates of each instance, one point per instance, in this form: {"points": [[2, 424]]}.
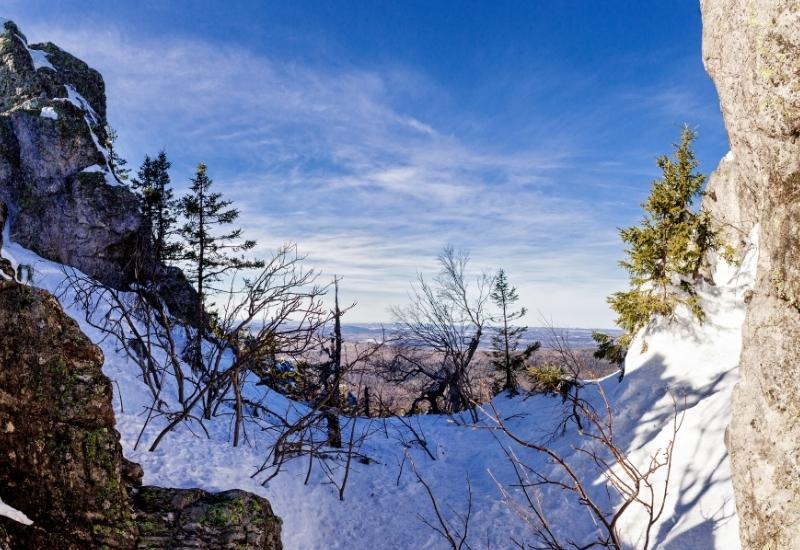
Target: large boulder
{"points": [[751, 49], [60, 458]]}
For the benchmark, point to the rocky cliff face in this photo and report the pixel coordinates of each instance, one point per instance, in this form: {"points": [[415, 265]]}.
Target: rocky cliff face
{"points": [[53, 169], [60, 458], [751, 49], [64, 203]]}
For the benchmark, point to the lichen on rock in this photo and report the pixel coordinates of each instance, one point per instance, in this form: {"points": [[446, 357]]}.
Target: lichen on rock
{"points": [[751, 49], [60, 454], [192, 518]]}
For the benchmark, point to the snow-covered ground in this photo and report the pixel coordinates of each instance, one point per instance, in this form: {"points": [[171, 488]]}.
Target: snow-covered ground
{"points": [[383, 504]]}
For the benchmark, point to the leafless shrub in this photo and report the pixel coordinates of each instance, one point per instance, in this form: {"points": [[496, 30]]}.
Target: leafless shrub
{"points": [[455, 535], [441, 329], [627, 484]]}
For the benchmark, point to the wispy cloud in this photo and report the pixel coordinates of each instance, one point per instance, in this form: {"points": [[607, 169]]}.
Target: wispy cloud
{"points": [[329, 158]]}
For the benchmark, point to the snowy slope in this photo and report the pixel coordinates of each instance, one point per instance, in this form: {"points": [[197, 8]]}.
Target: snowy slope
{"points": [[382, 504]]}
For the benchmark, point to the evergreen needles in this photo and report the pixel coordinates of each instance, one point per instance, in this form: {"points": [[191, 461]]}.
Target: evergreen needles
{"points": [[668, 250]]}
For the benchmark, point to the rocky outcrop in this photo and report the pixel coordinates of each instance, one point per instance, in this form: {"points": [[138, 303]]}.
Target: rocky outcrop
{"points": [[60, 458], [61, 461], [751, 49], [191, 518], [54, 175], [53, 169]]}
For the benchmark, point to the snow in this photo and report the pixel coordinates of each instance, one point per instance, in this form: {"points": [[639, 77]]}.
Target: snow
{"points": [[13, 513], [80, 102], [383, 505], [40, 60], [38, 57], [91, 118], [49, 112], [94, 168]]}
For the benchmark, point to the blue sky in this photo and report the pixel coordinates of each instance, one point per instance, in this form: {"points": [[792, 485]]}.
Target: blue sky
{"points": [[374, 133]]}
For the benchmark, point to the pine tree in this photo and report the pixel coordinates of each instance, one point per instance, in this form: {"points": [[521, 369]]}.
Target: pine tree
{"points": [[506, 355], [668, 250], [209, 254], [142, 184], [158, 206]]}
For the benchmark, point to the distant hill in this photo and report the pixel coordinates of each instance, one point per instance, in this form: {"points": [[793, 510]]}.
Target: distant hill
{"points": [[575, 337]]}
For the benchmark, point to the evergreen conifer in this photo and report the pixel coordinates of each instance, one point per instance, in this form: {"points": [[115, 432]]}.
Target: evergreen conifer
{"points": [[668, 250], [507, 358]]}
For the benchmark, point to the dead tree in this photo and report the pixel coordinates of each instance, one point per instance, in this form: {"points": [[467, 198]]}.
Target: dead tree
{"points": [[141, 326], [440, 331], [456, 536], [279, 312]]}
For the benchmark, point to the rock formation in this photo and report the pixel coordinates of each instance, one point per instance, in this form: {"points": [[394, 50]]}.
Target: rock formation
{"points": [[53, 169], [65, 203], [191, 518], [60, 458], [751, 49]]}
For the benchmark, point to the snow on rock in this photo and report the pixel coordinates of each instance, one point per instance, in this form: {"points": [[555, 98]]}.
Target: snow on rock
{"points": [[94, 168], [10, 512], [697, 363], [80, 102], [40, 60], [91, 118], [38, 57], [49, 112]]}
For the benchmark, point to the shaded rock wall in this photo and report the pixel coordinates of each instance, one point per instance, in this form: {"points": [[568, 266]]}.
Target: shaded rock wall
{"points": [[6, 269], [751, 49]]}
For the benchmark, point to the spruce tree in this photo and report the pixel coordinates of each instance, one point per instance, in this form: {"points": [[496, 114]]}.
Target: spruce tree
{"points": [[506, 355], [142, 184], [158, 206], [667, 251], [209, 253]]}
